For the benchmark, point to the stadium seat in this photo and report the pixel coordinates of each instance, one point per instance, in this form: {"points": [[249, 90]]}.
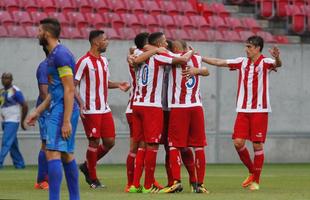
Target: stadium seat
{"points": [[235, 24], [131, 20], [183, 22], [111, 33], [16, 31], [126, 33], [37, 16], [220, 10], [11, 5], [218, 23], [168, 34], [152, 7], [197, 35], [85, 31], [237, 2], [149, 20], [281, 7], [83, 6], [47, 5], [187, 8], [22, 17], [32, 31], [245, 34], [251, 24], [200, 22], [166, 21], [29, 5], [179, 34], [265, 8], [299, 2], [6, 19], [70, 33], [134, 6], [114, 19], [206, 10], [77, 19], [297, 19], [281, 39], [232, 36], [268, 37], [65, 6], [61, 18], [3, 32], [170, 8], [100, 6], [117, 6], [95, 20]]}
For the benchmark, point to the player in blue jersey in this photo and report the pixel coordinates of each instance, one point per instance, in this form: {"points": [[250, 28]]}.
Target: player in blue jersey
{"points": [[11, 99], [42, 79], [63, 112]]}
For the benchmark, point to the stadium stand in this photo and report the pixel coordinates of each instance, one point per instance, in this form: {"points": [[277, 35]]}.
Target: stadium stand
{"points": [[179, 18]]}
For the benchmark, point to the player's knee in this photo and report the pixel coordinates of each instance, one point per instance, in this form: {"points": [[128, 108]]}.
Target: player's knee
{"points": [[93, 142], [257, 146], [239, 143]]}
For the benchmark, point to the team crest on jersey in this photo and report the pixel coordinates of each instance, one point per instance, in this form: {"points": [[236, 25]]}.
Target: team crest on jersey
{"points": [[145, 74], [191, 82]]}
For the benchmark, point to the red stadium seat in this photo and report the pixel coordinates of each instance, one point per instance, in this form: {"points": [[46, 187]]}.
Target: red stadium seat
{"points": [[235, 24], [5, 18], [37, 16], [16, 31], [135, 6], [281, 7], [100, 6], [180, 34], [127, 33], [268, 37], [168, 34], [265, 8], [77, 19], [149, 20], [11, 5], [32, 31], [22, 17], [237, 2], [112, 33], [220, 10], [152, 7], [232, 36], [187, 8], [85, 31], [166, 21], [170, 8], [3, 32], [115, 20], [183, 22], [154, 29], [95, 20], [131, 20], [47, 5], [197, 35], [251, 24], [65, 6], [71, 33], [83, 6], [117, 6], [200, 22], [245, 34], [207, 10], [29, 5], [218, 23], [61, 18], [297, 19], [281, 39]]}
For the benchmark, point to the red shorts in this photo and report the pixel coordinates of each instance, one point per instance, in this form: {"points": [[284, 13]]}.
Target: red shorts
{"points": [[147, 124], [186, 127], [164, 136], [99, 125], [251, 126], [129, 120]]}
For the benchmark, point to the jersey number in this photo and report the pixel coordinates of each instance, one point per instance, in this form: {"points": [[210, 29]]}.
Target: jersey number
{"points": [[145, 74]]}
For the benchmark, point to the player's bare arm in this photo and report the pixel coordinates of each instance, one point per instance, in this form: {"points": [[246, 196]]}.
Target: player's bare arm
{"points": [[182, 59], [275, 53], [192, 71], [150, 51], [79, 98], [33, 116], [124, 86], [215, 61]]}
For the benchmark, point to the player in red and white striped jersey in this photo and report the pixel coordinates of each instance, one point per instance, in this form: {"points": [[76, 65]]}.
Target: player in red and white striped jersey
{"points": [[186, 122], [253, 103], [147, 109], [92, 77]]}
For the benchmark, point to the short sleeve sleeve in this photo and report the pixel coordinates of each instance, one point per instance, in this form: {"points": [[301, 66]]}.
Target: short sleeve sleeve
{"points": [[42, 73], [63, 62], [269, 63], [19, 97], [164, 58], [235, 64], [79, 68]]}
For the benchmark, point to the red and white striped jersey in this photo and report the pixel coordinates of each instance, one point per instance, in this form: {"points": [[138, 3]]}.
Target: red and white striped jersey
{"points": [[133, 83], [253, 84], [183, 92], [150, 79], [93, 74]]}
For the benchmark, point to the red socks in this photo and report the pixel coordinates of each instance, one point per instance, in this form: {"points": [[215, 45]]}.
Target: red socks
{"points": [[150, 164], [200, 163], [245, 158], [258, 164], [175, 163], [188, 161], [130, 165], [138, 167], [91, 157]]}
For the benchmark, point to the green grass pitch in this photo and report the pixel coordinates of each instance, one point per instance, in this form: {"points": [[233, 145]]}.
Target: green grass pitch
{"points": [[278, 182]]}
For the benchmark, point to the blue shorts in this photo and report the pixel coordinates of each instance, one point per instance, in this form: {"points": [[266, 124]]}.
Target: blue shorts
{"points": [[54, 140], [42, 124]]}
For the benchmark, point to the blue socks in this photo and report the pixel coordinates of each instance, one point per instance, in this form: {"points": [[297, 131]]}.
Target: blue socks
{"points": [[42, 167], [72, 177], [54, 178]]}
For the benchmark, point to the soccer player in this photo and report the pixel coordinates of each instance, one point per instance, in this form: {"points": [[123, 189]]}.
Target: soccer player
{"points": [[92, 78], [147, 109], [11, 99], [42, 79], [253, 103], [186, 123], [63, 112]]}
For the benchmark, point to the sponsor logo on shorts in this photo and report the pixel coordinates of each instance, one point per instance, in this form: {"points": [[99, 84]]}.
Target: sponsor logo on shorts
{"points": [[259, 135]]}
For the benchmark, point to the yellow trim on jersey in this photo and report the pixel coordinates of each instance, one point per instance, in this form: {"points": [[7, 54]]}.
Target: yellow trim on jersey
{"points": [[65, 71]]}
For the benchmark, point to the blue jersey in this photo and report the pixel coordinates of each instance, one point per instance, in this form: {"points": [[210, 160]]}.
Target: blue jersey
{"points": [[60, 63], [42, 77]]}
